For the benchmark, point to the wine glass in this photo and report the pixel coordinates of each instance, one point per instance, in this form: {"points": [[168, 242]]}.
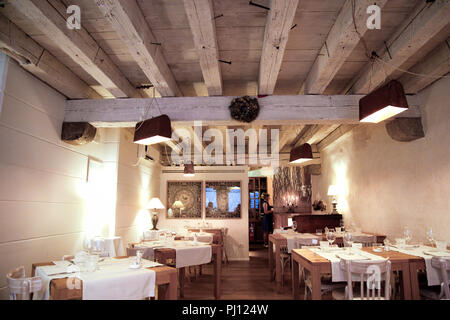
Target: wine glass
{"points": [[294, 225], [408, 234], [348, 238], [430, 237], [331, 237]]}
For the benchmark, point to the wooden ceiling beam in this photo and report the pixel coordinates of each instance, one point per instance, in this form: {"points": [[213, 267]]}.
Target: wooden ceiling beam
{"points": [[336, 134], [128, 21], [279, 23], [41, 63], [77, 44], [200, 15], [275, 110], [427, 21], [434, 65], [340, 43]]}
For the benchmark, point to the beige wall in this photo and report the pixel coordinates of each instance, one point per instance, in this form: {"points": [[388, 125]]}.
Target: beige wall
{"points": [[237, 242], [388, 184], [138, 182], [44, 203]]}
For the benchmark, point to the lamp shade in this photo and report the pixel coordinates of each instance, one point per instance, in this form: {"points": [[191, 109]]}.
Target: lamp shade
{"points": [[189, 170], [383, 103], [153, 130], [155, 203], [333, 190], [301, 154], [178, 205]]}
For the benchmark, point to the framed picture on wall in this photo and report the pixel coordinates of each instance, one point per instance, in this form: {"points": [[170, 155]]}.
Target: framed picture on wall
{"points": [[223, 199], [184, 200]]}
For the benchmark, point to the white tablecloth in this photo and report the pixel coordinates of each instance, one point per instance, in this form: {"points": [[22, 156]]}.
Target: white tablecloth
{"points": [[337, 273], [47, 274], [433, 274], [114, 247], [116, 281], [113, 280], [297, 240], [187, 254]]}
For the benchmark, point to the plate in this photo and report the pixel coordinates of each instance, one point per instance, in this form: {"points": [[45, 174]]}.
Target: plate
{"points": [[135, 266], [437, 253]]}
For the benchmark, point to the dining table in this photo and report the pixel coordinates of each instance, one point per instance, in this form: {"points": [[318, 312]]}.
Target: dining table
{"points": [[166, 253], [279, 240], [71, 288], [317, 265]]}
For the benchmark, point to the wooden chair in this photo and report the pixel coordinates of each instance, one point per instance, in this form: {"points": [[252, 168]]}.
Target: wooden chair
{"points": [[327, 285], [21, 287], [67, 257], [443, 265], [366, 271]]}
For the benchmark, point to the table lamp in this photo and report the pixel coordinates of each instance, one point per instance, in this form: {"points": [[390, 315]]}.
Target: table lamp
{"points": [[155, 204], [333, 191], [178, 205]]}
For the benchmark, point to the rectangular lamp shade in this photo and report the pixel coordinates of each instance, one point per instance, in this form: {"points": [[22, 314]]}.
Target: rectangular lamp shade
{"points": [[153, 130], [383, 103], [301, 154]]}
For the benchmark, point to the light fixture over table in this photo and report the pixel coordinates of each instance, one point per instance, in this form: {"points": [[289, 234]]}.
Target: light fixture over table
{"points": [[152, 131], [383, 103], [301, 154]]}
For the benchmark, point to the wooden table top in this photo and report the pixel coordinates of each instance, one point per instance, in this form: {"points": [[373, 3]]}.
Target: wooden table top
{"points": [[393, 256]]}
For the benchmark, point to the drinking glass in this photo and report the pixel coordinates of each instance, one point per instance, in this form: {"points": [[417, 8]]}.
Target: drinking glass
{"points": [[430, 237], [348, 238], [331, 237], [139, 254], [441, 246], [387, 244], [318, 232], [407, 234], [91, 263]]}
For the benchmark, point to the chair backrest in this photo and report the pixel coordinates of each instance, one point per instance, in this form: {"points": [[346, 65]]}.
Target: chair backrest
{"points": [[443, 264], [19, 286], [370, 275]]}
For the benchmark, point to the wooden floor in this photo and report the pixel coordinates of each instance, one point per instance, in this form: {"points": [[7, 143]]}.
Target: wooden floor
{"points": [[241, 280]]}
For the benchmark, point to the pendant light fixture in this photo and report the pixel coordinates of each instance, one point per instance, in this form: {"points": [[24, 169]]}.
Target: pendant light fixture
{"points": [[189, 170], [301, 154], [383, 103], [152, 131]]}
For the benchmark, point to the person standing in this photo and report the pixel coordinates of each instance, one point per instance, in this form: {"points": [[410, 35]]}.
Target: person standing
{"points": [[267, 212]]}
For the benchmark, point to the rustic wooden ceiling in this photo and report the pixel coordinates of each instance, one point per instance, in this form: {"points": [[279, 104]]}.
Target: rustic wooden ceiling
{"points": [[315, 55]]}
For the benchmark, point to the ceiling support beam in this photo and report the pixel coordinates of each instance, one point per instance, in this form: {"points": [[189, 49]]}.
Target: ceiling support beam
{"points": [[433, 66], [128, 21], [336, 134], [340, 43], [279, 23], [200, 14], [427, 21], [77, 44], [278, 110], [41, 63]]}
